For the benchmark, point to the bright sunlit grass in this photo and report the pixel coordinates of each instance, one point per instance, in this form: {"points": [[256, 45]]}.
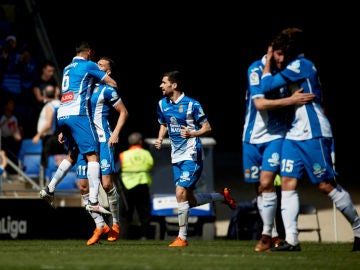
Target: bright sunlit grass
{"points": [[155, 254]]}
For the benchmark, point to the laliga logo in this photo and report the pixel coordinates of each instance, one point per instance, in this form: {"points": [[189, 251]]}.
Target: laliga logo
{"points": [[12, 227]]}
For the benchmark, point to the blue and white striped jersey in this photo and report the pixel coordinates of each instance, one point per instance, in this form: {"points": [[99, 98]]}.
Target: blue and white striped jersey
{"points": [[266, 125], [185, 111], [309, 121], [102, 99], [77, 81]]}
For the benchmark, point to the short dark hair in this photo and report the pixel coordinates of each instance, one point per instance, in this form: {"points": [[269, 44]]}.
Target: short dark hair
{"points": [[49, 93], [175, 76], [83, 46], [135, 138], [47, 62]]}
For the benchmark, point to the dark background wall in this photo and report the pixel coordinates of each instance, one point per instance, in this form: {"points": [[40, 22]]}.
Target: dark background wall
{"points": [[212, 43]]}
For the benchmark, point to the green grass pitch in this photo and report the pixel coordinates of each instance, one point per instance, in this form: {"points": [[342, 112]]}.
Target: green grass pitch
{"points": [[155, 254]]}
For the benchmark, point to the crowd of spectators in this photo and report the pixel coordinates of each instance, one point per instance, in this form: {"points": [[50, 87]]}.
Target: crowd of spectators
{"points": [[23, 78]]}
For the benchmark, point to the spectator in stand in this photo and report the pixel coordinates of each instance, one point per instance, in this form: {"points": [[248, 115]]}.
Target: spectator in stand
{"points": [[5, 24], [46, 76], [10, 67], [3, 163], [46, 127], [29, 72], [11, 133]]}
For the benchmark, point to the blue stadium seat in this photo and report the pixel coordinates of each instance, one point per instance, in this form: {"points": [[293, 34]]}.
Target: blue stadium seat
{"points": [[27, 147], [52, 166], [29, 157], [69, 182], [31, 165]]}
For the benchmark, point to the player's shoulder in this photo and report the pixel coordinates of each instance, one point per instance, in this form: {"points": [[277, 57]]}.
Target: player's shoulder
{"points": [[307, 62], [301, 59], [55, 102], [91, 64], [300, 64], [186, 100], [189, 99], [163, 102]]}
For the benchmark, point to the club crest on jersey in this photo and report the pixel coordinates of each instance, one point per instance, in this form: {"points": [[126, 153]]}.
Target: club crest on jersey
{"points": [[185, 176], [318, 171], [181, 109], [247, 173], [274, 160], [104, 165], [114, 96]]}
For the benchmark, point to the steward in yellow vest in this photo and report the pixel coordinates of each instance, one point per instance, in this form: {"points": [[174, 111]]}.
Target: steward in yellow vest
{"points": [[136, 166]]}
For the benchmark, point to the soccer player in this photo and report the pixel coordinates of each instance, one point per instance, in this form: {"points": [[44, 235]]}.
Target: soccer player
{"points": [[308, 142], [183, 119], [103, 99], [264, 129], [74, 120]]}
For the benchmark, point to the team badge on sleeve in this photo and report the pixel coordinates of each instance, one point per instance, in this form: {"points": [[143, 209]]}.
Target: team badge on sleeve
{"points": [[254, 78]]}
